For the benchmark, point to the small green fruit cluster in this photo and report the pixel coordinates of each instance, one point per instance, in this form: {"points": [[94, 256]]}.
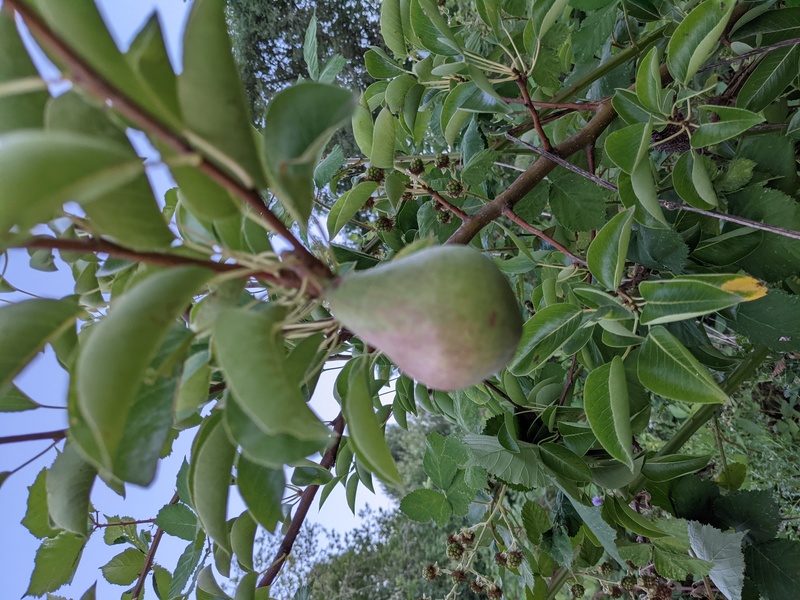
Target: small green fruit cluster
{"points": [[606, 569], [384, 224], [458, 576], [628, 582], [577, 590], [455, 551], [495, 593], [514, 558], [375, 174], [454, 188], [444, 217], [416, 166], [442, 161], [430, 571]]}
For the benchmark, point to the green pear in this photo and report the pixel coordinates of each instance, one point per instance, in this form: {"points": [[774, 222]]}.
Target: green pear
{"points": [[445, 315]]}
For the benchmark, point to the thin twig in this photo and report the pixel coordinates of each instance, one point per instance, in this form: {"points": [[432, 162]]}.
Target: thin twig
{"points": [[306, 498], [572, 105], [668, 204], [542, 235], [57, 435], [85, 75], [438, 197], [570, 380], [751, 53], [33, 458], [151, 554], [522, 84], [501, 393]]}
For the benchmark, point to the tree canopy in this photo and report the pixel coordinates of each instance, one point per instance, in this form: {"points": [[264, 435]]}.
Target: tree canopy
{"points": [[565, 217]]}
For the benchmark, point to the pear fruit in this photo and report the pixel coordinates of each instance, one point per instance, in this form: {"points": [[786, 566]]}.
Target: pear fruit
{"points": [[445, 315]]}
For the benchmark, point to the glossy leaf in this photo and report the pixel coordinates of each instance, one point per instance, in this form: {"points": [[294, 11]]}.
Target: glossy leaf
{"points": [[690, 296], [769, 79], [543, 334], [648, 82], [298, 124], [627, 147], [732, 121], [564, 462], [383, 140], [252, 355], [688, 172], [667, 368], [243, 536], [366, 433], [771, 321], [607, 252], [667, 468], [695, 38], [69, 483], [113, 361], [348, 204], [212, 101], [608, 410], [210, 476]]}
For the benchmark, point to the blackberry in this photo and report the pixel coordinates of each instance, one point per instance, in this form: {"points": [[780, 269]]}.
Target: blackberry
{"points": [[430, 572], [616, 592], [384, 224], [467, 537], [444, 217], [375, 174], [454, 188], [648, 581], [577, 590], [501, 559], [370, 203], [514, 556], [495, 592], [477, 586], [416, 166], [442, 161], [606, 568], [628, 582], [662, 592], [455, 551], [458, 576]]}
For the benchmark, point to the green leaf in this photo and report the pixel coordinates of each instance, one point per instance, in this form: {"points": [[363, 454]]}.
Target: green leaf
{"points": [[648, 82], [679, 566], [667, 368], [310, 49], [426, 505], [696, 36], [577, 203], [690, 296], [25, 327], [773, 74], [443, 458], [366, 434], [211, 95], [692, 183], [592, 516], [55, 563], [608, 410], [543, 334], [774, 566], [607, 252], [298, 124], [771, 321], [667, 468], [425, 30], [124, 568], [392, 28], [773, 26], [69, 483], [348, 204], [564, 463], [243, 536], [210, 477], [187, 563], [363, 127], [177, 520], [18, 111], [383, 140], [262, 491], [520, 468], [631, 520], [37, 515], [113, 361], [732, 121], [79, 168], [724, 551], [253, 358], [627, 147], [535, 520], [755, 513]]}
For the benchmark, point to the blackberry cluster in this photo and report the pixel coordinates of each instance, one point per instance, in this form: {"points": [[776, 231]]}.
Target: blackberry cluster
{"points": [[628, 582], [384, 224], [444, 217], [454, 188], [416, 166], [458, 576], [514, 557], [442, 161], [501, 559], [495, 593], [606, 569], [648, 581], [477, 586], [467, 537], [616, 592], [661, 592], [577, 590], [375, 174], [455, 551]]}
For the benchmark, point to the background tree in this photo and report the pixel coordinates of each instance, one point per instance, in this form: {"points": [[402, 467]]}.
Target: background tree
{"points": [[647, 233]]}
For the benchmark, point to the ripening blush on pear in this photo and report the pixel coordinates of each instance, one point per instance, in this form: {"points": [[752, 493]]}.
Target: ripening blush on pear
{"points": [[445, 315]]}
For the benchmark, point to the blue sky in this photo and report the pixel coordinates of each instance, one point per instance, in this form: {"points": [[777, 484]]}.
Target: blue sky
{"points": [[46, 382]]}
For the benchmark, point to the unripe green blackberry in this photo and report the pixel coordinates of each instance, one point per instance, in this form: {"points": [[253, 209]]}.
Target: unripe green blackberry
{"points": [[430, 572], [455, 551], [416, 166], [606, 568], [616, 592], [384, 224], [458, 576], [477, 586], [514, 557], [454, 188], [467, 537], [577, 590], [648, 581], [444, 217], [501, 559], [374, 174], [495, 593], [628, 582], [442, 161]]}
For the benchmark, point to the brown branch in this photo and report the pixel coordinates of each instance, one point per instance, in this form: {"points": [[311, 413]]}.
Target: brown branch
{"points": [[532, 176], [85, 75], [522, 84], [57, 435], [306, 498], [148, 560], [668, 204], [438, 197], [542, 235], [501, 393], [570, 380]]}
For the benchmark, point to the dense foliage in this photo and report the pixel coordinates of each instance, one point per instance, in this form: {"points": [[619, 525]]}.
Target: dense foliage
{"points": [[628, 165]]}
